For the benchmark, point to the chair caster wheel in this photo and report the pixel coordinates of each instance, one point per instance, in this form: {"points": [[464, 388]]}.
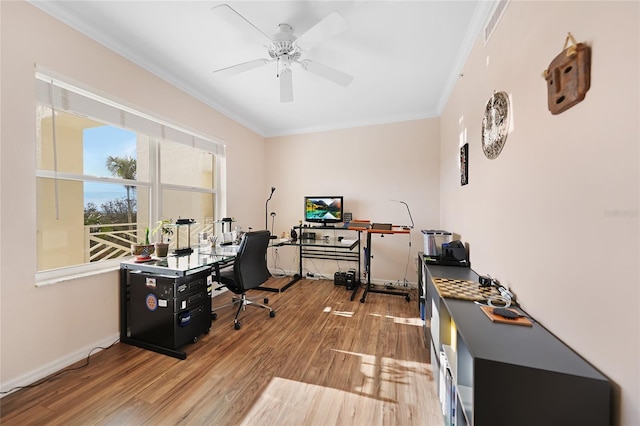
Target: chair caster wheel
{"points": [[272, 314], [237, 326], [266, 300], [362, 300], [408, 298], [214, 316]]}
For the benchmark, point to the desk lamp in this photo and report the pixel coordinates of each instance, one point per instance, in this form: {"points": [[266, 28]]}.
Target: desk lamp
{"points": [[409, 211], [266, 210]]}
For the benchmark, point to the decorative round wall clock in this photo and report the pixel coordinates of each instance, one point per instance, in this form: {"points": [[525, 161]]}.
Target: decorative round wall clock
{"points": [[495, 124]]}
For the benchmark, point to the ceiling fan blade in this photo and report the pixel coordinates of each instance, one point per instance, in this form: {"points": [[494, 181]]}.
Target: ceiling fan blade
{"points": [[331, 25], [230, 15], [328, 73], [245, 66], [286, 86]]}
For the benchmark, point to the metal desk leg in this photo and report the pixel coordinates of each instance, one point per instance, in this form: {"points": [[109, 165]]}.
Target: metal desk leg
{"points": [[295, 278], [368, 288]]}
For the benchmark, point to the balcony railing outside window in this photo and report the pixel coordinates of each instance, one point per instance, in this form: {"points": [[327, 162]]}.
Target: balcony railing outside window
{"points": [[113, 241]]}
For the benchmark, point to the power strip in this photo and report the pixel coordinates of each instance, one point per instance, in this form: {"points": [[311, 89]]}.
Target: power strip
{"points": [[312, 276]]}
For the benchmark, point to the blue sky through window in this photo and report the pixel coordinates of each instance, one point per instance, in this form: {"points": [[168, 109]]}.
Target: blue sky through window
{"points": [[100, 143]]}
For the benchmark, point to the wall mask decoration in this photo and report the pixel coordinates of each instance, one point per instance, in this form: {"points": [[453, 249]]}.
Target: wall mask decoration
{"points": [[495, 124], [464, 164], [568, 76]]}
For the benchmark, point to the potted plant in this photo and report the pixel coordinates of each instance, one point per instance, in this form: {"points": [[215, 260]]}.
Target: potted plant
{"points": [[165, 231], [143, 251]]}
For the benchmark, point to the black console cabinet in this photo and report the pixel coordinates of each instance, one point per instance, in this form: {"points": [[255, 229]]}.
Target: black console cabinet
{"points": [[497, 374]]}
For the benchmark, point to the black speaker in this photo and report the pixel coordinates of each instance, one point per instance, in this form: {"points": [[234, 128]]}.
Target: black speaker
{"points": [[350, 279], [347, 279], [294, 235]]}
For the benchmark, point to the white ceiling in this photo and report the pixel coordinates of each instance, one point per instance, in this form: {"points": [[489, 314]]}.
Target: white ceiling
{"points": [[405, 56]]}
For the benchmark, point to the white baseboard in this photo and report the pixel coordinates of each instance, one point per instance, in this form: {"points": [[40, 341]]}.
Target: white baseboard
{"points": [[56, 365]]}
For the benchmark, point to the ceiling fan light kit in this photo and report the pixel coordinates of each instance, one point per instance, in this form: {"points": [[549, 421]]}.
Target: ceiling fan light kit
{"points": [[286, 49], [283, 43]]}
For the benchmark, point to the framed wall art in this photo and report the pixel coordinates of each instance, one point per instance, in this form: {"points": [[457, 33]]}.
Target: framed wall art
{"points": [[464, 164], [495, 124]]}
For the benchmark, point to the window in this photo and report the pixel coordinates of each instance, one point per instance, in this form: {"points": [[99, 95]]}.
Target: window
{"points": [[105, 173]]}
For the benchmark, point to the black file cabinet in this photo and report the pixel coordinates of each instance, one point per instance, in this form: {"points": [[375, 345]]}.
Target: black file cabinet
{"points": [[164, 313]]}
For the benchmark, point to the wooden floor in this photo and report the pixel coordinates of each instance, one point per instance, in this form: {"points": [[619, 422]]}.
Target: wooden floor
{"points": [[323, 360]]}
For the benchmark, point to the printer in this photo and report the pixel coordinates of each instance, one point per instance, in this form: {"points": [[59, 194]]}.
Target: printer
{"points": [[454, 253]]}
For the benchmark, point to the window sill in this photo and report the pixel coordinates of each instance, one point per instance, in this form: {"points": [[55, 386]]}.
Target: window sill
{"points": [[73, 273]]}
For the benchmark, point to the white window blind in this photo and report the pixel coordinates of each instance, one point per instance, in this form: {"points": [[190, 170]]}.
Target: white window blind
{"points": [[65, 97]]}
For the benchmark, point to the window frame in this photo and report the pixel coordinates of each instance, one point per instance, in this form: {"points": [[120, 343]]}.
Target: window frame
{"points": [[163, 131]]}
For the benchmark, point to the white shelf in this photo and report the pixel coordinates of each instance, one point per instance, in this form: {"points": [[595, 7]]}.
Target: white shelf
{"points": [[435, 325], [453, 361], [465, 395]]}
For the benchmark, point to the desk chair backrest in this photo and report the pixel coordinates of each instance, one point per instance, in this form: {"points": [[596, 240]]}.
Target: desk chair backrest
{"points": [[250, 267]]}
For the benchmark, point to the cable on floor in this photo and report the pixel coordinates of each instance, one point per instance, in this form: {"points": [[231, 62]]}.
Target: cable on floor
{"points": [[59, 373]]}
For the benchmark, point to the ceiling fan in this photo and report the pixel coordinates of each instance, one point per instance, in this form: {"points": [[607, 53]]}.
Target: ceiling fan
{"points": [[286, 49]]}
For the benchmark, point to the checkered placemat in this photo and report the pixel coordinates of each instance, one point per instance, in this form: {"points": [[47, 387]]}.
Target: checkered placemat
{"points": [[463, 289]]}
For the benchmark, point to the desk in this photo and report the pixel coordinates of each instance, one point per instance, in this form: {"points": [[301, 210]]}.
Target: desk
{"points": [[331, 249], [166, 303], [367, 263]]}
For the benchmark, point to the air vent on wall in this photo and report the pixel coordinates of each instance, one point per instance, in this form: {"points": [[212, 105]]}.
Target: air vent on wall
{"points": [[495, 18]]}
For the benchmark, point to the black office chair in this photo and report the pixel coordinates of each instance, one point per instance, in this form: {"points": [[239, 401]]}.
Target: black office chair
{"points": [[248, 272]]}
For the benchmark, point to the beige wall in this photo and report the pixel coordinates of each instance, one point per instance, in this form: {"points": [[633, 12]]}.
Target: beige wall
{"points": [[46, 328], [369, 166], [556, 215]]}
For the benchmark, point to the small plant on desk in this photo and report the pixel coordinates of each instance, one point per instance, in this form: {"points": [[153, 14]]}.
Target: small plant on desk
{"points": [[143, 250], [165, 232]]}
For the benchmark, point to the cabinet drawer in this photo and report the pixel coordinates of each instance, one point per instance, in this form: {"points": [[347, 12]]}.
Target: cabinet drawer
{"points": [[188, 287], [188, 300]]}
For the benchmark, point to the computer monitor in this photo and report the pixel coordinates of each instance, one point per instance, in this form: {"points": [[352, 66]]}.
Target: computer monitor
{"points": [[323, 209]]}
